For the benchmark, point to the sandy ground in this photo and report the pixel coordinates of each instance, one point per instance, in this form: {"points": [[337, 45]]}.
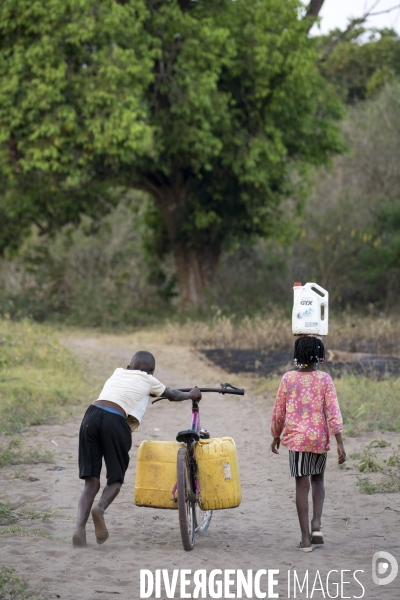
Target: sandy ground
{"points": [[261, 534]]}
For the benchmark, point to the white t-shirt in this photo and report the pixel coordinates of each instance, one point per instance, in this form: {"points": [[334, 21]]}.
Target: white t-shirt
{"points": [[131, 390]]}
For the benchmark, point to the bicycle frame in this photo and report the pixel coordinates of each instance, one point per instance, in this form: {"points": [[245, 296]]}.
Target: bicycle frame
{"points": [[186, 491]]}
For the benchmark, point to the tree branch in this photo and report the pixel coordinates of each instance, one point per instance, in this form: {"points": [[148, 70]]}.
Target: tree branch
{"points": [[383, 12], [335, 41], [42, 230], [313, 10], [353, 23], [152, 183]]}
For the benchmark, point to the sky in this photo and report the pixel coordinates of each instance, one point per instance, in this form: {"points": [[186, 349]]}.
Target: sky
{"points": [[336, 13]]}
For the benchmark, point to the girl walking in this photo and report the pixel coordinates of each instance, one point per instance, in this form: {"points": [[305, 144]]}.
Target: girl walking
{"points": [[306, 412]]}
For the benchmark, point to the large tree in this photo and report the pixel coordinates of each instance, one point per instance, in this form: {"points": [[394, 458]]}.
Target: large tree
{"points": [[216, 108]]}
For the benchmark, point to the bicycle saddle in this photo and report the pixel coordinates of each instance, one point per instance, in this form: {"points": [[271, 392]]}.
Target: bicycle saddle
{"points": [[187, 436]]}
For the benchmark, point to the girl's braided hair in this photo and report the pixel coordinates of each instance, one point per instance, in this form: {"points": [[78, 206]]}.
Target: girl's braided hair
{"points": [[308, 349]]}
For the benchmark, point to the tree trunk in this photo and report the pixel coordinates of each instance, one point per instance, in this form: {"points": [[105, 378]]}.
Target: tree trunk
{"points": [[195, 269], [195, 265]]}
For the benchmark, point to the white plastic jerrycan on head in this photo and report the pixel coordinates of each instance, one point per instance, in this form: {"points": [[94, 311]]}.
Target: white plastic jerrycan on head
{"points": [[310, 309]]}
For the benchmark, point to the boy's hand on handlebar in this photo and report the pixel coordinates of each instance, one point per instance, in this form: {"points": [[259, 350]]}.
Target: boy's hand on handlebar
{"points": [[178, 396], [276, 442], [195, 394]]}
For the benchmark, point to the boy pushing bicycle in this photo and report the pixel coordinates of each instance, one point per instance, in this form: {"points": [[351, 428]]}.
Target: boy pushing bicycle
{"points": [[106, 432]]}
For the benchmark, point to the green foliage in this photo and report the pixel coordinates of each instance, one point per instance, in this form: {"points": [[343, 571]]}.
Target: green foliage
{"points": [[359, 69], [368, 464], [369, 406], [378, 443], [209, 106], [380, 256], [40, 381], [349, 236], [98, 274], [71, 93]]}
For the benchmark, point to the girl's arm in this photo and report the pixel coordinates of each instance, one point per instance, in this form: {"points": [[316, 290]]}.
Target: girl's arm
{"points": [[334, 417], [278, 415], [332, 409], [340, 449]]}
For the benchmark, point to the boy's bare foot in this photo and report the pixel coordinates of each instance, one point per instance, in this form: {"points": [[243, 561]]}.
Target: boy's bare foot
{"points": [[79, 538], [100, 528]]}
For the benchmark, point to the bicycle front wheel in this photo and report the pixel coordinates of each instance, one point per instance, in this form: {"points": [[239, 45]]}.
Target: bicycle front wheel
{"points": [[186, 500]]}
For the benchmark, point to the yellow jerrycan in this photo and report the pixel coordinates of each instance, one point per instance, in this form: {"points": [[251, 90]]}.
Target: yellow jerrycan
{"points": [[218, 473], [156, 474]]}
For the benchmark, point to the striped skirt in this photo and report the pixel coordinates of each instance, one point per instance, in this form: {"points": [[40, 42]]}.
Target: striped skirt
{"points": [[306, 463]]}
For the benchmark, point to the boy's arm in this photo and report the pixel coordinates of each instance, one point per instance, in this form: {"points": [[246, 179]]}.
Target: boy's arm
{"points": [[177, 396]]}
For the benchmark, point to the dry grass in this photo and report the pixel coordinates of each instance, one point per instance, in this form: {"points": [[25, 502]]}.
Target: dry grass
{"points": [[271, 332], [374, 333], [350, 332]]}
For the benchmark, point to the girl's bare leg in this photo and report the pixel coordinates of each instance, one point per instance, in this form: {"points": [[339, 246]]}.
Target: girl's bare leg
{"points": [[92, 486], [318, 496], [109, 494], [302, 490]]}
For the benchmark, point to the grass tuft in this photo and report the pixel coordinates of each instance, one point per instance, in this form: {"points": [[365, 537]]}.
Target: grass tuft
{"points": [[386, 477], [12, 452], [7, 515], [13, 587], [37, 533], [384, 486]]}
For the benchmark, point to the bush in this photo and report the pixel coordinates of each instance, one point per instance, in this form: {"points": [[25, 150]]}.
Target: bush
{"points": [[95, 275]]}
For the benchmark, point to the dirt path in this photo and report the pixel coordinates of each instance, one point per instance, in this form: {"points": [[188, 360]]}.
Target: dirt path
{"points": [[261, 534]]}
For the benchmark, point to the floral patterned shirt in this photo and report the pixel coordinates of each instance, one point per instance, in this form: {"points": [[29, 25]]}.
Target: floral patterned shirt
{"points": [[306, 410]]}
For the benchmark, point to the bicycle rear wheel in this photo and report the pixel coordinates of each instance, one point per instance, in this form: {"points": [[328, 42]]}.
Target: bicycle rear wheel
{"points": [[186, 500]]}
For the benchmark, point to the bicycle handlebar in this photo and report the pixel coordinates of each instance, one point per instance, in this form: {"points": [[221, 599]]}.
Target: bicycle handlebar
{"points": [[226, 388]]}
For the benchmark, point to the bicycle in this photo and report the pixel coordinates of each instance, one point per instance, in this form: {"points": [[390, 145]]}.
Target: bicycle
{"points": [[186, 492]]}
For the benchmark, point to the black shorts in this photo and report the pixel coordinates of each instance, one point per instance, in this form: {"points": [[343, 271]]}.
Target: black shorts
{"points": [[306, 463], [103, 433]]}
